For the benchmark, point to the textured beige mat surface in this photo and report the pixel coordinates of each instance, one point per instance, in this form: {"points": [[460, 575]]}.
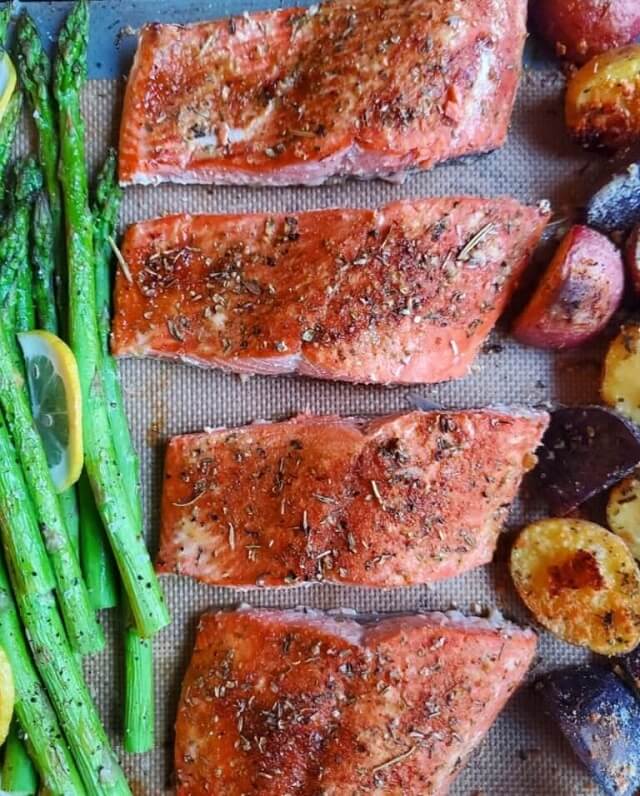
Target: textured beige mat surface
{"points": [[523, 755]]}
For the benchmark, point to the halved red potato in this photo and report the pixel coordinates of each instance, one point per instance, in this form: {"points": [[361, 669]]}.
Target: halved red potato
{"points": [[581, 582], [602, 103], [579, 29], [623, 512], [632, 259], [577, 295], [621, 377]]}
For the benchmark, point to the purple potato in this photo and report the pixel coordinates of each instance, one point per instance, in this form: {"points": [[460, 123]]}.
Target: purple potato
{"points": [[600, 717], [584, 451], [616, 206], [631, 665]]}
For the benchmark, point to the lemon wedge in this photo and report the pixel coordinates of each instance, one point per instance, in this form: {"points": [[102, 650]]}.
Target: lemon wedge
{"points": [[7, 696], [7, 81], [56, 401]]}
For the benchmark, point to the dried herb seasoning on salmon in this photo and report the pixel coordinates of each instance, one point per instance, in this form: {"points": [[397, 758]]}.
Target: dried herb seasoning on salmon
{"points": [[277, 702], [400, 500], [296, 96], [404, 294]]}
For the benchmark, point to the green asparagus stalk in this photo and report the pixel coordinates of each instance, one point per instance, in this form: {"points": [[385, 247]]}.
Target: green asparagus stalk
{"points": [[98, 566], [5, 17], [139, 714], [42, 255], [8, 127], [44, 298], [9, 121], [34, 69], [18, 772], [125, 533], [80, 619], [30, 578], [97, 558], [25, 316], [139, 702], [28, 181], [47, 746]]}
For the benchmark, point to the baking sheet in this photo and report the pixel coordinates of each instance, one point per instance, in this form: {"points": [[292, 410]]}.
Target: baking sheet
{"points": [[524, 754]]}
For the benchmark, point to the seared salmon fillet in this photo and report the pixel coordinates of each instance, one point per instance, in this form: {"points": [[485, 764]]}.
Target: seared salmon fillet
{"points": [[286, 703], [400, 500], [407, 293], [350, 87]]}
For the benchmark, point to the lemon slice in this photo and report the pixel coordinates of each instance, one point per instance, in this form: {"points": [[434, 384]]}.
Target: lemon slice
{"points": [[7, 81], [54, 387], [7, 696]]}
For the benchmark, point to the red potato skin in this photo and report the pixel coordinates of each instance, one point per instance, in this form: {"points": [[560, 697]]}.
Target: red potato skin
{"points": [[632, 259], [577, 295], [580, 29]]}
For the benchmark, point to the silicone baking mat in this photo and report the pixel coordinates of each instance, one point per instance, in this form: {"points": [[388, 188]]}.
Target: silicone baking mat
{"points": [[524, 754]]}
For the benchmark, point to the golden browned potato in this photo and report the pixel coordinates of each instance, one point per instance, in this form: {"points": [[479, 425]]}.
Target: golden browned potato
{"points": [[602, 105], [580, 29], [621, 377], [580, 581], [623, 512]]}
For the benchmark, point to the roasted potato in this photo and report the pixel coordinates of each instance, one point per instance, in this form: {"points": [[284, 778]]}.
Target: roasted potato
{"points": [[621, 378], [580, 29], [632, 259], [600, 717], [623, 512], [631, 667], [615, 206], [577, 295], [602, 104], [581, 582], [584, 451]]}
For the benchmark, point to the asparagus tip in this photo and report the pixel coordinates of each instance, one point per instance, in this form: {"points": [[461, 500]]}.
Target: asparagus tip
{"points": [[28, 179], [32, 60], [71, 63]]}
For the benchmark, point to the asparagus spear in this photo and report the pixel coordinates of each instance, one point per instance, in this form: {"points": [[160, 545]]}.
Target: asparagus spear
{"points": [[139, 713], [8, 127], [98, 565], [43, 294], [35, 74], [28, 181], [125, 533], [25, 316], [9, 121], [5, 17], [42, 255], [84, 631], [31, 581], [46, 744], [18, 772]]}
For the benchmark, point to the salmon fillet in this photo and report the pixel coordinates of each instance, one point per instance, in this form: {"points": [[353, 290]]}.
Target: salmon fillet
{"points": [[407, 293], [296, 96], [401, 500], [285, 703]]}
